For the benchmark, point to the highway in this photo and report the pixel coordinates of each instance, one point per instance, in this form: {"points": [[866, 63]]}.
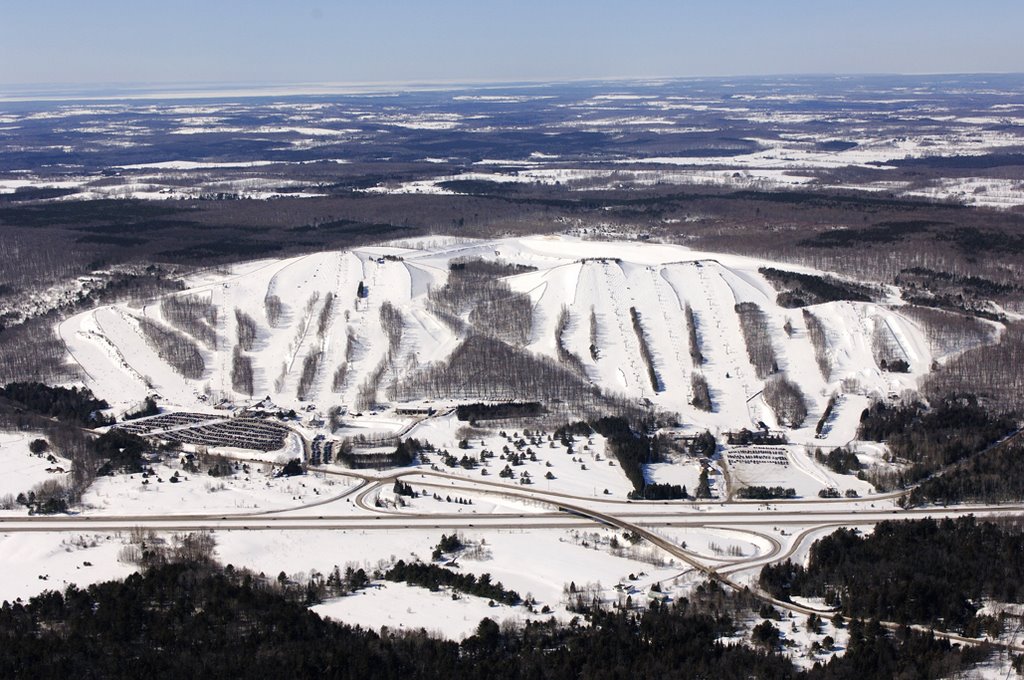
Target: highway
{"points": [[785, 526]]}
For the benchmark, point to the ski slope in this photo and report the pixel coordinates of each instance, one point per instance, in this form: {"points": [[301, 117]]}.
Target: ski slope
{"points": [[584, 277]]}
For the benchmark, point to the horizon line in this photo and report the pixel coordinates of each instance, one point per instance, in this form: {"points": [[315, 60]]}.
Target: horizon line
{"points": [[130, 91]]}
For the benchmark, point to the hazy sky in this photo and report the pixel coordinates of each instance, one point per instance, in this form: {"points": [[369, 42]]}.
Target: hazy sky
{"points": [[260, 41]]}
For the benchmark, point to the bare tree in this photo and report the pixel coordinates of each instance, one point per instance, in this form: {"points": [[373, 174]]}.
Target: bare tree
{"points": [[645, 350], [310, 365], [274, 309], [325, 316], [366, 395], [175, 348], [193, 314], [241, 372], [473, 291], [691, 331], [246, 330], [594, 348], [819, 340], [994, 373], [884, 345], [572, 361], [488, 369], [701, 393], [393, 323], [948, 331], [756, 333], [785, 398], [338, 379]]}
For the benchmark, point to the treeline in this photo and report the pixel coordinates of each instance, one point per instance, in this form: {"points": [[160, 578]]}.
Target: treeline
{"points": [[691, 333], [745, 437], [801, 290], [886, 349], [764, 493], [931, 438], [758, 338], [839, 460], [148, 408], [310, 366], [392, 323], [595, 351], [572, 361], [434, 577], [175, 348], [32, 350], [90, 456], [274, 309], [819, 341], [961, 292], [324, 319], [645, 350], [404, 454], [192, 314], [192, 620], [366, 395], [71, 405], [246, 330], [477, 266], [511, 409], [242, 376], [830, 408], [947, 331], [934, 573], [341, 372], [994, 476]]}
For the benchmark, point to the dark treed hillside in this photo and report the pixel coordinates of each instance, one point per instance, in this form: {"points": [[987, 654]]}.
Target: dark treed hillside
{"points": [[178, 621], [927, 572]]}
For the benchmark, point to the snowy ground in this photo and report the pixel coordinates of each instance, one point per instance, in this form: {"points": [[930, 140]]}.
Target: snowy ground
{"points": [[20, 470], [199, 493], [539, 563], [34, 562], [402, 607]]}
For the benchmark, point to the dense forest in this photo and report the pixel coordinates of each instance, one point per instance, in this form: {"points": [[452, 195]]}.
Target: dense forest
{"points": [[72, 405], [801, 290], [633, 450], [508, 409], [993, 476], [925, 571], [932, 438], [434, 577], [188, 620]]}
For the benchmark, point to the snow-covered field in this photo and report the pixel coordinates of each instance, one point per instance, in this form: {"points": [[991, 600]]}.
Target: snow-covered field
{"points": [[537, 563], [199, 493], [20, 469]]}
